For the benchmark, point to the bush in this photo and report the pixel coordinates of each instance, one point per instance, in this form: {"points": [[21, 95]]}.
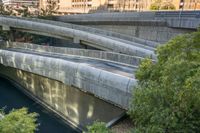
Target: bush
{"points": [[167, 98], [168, 6], [18, 121], [154, 6], [98, 127]]}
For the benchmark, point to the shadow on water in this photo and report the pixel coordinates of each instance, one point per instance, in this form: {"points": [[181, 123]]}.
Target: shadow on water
{"points": [[11, 97]]}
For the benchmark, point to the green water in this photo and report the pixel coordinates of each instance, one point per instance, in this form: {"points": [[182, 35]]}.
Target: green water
{"points": [[11, 97]]}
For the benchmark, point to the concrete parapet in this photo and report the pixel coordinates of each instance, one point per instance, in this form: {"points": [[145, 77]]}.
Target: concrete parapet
{"points": [[189, 19], [111, 56], [157, 27], [185, 23], [106, 85]]}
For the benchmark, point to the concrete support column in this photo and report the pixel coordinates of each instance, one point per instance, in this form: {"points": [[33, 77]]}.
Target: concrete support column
{"points": [[5, 28], [9, 32], [76, 40], [11, 36]]}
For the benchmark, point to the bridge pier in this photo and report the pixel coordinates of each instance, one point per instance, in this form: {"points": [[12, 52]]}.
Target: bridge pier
{"points": [[76, 40], [9, 31], [5, 28]]}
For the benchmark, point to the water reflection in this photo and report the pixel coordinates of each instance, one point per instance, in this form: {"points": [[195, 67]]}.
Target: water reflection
{"points": [[13, 98]]}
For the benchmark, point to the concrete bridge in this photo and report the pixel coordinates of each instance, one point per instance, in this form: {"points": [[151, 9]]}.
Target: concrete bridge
{"points": [[150, 26], [77, 84], [80, 34], [72, 82]]}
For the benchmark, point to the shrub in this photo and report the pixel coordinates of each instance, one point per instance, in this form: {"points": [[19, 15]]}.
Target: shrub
{"points": [[98, 127], [167, 98], [168, 6], [154, 6], [18, 121]]}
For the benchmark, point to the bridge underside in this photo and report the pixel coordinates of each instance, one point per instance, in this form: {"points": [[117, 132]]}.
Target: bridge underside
{"points": [[79, 89], [71, 104]]}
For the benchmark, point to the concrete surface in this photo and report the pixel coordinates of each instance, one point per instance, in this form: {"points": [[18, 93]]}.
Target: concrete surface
{"points": [[150, 26], [189, 19], [95, 40], [69, 103], [108, 81], [96, 54]]}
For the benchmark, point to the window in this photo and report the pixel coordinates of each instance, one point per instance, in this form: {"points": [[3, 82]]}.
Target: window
{"points": [[110, 5]]}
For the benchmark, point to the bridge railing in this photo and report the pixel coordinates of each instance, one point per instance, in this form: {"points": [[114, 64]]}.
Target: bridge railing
{"points": [[103, 55], [141, 42]]}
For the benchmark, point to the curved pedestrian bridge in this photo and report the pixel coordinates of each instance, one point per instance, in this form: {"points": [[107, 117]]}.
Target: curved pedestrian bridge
{"points": [[75, 83], [99, 40], [53, 74]]}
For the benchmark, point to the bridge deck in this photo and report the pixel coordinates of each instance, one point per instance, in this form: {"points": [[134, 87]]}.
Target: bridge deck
{"points": [[114, 67]]}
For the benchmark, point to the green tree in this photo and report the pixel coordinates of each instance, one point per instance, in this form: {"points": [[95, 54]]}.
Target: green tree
{"points": [[18, 121], [4, 34], [98, 127], [156, 5], [51, 8], [168, 6], [24, 11], [167, 98], [5, 10]]}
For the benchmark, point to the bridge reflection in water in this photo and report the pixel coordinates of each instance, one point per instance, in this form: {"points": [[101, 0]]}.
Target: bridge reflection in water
{"points": [[10, 97]]}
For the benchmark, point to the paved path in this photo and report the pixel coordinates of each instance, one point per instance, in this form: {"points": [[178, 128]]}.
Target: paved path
{"points": [[114, 67]]}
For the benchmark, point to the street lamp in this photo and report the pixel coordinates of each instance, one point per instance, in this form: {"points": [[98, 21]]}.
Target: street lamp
{"points": [[181, 6]]}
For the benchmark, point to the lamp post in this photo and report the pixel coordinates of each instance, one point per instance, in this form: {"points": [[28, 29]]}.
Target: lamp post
{"points": [[181, 6]]}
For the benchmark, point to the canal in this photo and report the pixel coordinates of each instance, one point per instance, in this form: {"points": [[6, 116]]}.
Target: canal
{"points": [[12, 98]]}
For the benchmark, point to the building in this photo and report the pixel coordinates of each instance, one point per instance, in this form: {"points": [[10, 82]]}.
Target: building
{"points": [[85, 6], [19, 3], [192, 4]]}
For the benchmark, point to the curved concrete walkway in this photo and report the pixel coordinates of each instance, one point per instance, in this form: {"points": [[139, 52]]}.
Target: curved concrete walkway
{"points": [[96, 40], [90, 54], [109, 81]]}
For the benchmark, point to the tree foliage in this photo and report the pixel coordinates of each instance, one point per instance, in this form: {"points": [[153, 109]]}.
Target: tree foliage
{"points": [[167, 98], [4, 34], [159, 4], [156, 5], [5, 10], [18, 121], [168, 6], [24, 11], [98, 127], [51, 8]]}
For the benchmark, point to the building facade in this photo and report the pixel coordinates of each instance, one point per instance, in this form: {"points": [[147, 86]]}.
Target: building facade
{"points": [[86, 6], [21, 2]]}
